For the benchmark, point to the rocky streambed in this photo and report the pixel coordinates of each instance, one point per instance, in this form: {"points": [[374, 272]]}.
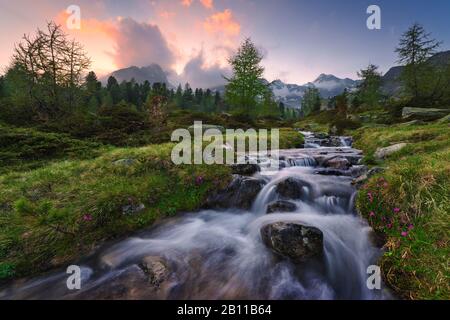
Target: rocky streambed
{"points": [[285, 228]]}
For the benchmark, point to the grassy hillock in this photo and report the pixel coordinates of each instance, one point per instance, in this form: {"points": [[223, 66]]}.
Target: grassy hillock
{"points": [[409, 206], [27, 148]]}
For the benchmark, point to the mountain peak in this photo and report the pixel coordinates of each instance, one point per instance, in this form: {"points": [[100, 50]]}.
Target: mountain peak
{"points": [[152, 73], [326, 77]]}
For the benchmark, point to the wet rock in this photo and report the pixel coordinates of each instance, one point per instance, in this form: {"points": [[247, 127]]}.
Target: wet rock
{"points": [[331, 172], [336, 141], [132, 209], [292, 240], [241, 193], [247, 169], [362, 179], [338, 162], [321, 135], [426, 114], [357, 171], [333, 130], [291, 188], [383, 153], [125, 162], [374, 171], [130, 283], [156, 269], [281, 206]]}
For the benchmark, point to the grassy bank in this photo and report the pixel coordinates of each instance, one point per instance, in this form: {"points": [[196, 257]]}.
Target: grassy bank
{"points": [[54, 214], [409, 206], [61, 197]]}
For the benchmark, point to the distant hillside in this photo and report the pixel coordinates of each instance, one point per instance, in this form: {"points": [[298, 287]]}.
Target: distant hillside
{"points": [[391, 84]]}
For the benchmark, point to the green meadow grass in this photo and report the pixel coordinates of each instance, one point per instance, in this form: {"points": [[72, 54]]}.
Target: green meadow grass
{"points": [[409, 205]]}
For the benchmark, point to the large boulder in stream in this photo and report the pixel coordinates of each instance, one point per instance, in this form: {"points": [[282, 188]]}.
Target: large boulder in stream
{"points": [[281, 206], [292, 188], [241, 193], [293, 240], [156, 269], [337, 162], [246, 169]]}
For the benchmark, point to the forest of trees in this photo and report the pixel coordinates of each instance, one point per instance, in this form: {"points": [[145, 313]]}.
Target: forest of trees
{"points": [[48, 83]]}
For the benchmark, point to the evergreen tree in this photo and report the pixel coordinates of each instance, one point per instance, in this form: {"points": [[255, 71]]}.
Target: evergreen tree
{"points": [[107, 100], [179, 97], [245, 88], [92, 84], [93, 104], [114, 90], [341, 104], [311, 101], [2, 87], [188, 97], [282, 109], [369, 91]]}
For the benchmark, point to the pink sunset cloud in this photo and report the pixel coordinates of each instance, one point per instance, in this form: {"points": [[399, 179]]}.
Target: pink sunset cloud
{"points": [[209, 4], [222, 22]]}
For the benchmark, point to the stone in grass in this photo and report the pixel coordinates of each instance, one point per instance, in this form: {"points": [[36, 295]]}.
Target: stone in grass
{"points": [[125, 162], [132, 209], [383, 153]]}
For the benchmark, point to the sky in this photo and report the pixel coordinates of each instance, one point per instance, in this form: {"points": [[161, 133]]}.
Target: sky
{"points": [[192, 39]]}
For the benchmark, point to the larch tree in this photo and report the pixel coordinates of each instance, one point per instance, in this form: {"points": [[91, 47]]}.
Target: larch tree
{"points": [[415, 48]]}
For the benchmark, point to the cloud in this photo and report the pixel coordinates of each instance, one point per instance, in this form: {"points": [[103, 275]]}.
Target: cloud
{"points": [[167, 14], [186, 3], [222, 22], [198, 75], [209, 4], [140, 44]]}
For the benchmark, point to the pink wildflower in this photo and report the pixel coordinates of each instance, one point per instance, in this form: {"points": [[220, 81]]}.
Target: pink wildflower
{"points": [[396, 210], [410, 227], [199, 180], [404, 233], [372, 214], [87, 217]]}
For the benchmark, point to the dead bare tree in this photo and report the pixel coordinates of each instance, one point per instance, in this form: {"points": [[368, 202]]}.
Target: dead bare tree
{"points": [[54, 68]]}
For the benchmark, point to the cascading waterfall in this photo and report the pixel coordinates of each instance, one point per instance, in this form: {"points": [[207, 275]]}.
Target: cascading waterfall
{"points": [[220, 254]]}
